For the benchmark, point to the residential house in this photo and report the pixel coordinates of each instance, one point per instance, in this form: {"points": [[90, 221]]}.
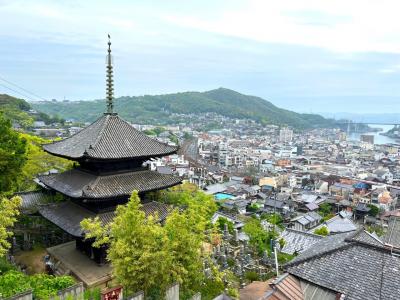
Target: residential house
{"points": [[306, 222]]}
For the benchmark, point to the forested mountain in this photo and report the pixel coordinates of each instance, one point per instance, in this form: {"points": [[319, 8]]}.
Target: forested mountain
{"points": [[157, 109]]}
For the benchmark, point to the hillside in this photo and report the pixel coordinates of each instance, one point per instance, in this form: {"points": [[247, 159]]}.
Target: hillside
{"points": [[157, 109], [19, 111]]}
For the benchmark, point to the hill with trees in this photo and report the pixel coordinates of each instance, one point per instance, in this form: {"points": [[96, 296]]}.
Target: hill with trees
{"points": [[21, 112], [158, 109]]}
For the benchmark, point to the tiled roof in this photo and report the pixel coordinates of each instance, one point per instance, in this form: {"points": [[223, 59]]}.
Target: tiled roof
{"points": [[77, 183], [31, 200], [392, 235], [327, 244], [298, 241], [338, 224], [68, 215], [351, 264], [288, 287], [109, 137]]}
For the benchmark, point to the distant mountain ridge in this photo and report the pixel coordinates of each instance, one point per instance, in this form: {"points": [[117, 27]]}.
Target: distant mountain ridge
{"points": [[156, 109]]}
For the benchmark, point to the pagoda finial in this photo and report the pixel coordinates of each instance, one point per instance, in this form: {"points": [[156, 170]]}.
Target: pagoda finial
{"points": [[109, 80]]}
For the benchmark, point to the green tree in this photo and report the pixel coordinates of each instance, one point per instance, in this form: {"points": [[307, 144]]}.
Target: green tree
{"points": [[253, 207], [273, 218], [149, 256], [39, 161], [138, 247], [12, 156], [9, 210], [325, 209], [43, 286], [322, 231], [374, 210], [221, 224], [259, 238], [187, 194]]}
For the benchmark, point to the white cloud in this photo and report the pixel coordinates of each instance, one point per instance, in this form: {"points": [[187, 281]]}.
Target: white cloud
{"points": [[340, 25]]}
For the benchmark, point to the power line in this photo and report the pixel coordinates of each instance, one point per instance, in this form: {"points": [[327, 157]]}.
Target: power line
{"points": [[15, 91], [23, 89]]}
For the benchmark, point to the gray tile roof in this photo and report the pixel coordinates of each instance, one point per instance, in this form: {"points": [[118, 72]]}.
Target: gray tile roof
{"points": [[68, 215], [31, 201], [307, 218], [352, 264], [392, 235], [109, 137], [338, 224], [77, 183], [298, 241], [327, 244], [274, 203]]}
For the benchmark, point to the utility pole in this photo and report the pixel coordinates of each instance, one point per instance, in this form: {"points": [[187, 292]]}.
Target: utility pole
{"points": [[276, 260]]}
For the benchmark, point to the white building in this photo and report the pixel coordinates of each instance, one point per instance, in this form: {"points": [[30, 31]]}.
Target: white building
{"points": [[285, 135]]}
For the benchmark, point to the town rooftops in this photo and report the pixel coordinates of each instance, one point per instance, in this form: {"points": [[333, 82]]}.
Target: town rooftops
{"points": [[356, 265], [80, 184], [109, 138]]}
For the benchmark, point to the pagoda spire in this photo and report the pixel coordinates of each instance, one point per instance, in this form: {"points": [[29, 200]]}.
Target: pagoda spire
{"points": [[109, 80]]}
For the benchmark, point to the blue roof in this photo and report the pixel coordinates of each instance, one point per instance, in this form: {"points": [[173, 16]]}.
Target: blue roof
{"points": [[360, 185]]}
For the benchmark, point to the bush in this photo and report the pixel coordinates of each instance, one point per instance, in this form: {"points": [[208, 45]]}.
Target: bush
{"points": [[374, 210], [92, 294], [251, 276], [13, 282], [42, 285], [322, 231], [221, 224], [5, 266]]}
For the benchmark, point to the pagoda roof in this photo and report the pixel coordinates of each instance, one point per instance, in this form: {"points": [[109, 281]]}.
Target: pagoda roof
{"points": [[109, 138], [68, 215], [80, 184]]}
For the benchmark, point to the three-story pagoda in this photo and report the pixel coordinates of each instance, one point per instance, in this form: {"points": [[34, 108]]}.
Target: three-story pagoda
{"points": [[111, 155]]}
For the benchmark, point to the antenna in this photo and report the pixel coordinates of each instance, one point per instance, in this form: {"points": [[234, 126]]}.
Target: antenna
{"points": [[109, 80]]}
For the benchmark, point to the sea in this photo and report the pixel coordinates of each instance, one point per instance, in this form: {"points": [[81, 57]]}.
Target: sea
{"points": [[378, 138]]}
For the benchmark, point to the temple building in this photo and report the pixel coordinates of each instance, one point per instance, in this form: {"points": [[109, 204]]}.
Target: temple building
{"points": [[110, 156]]}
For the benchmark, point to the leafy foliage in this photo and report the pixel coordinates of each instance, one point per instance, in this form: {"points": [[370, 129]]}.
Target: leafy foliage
{"points": [[39, 161], [5, 266], [273, 218], [253, 207], [322, 231], [374, 210], [259, 238], [251, 276], [43, 286], [9, 210], [12, 156], [221, 224], [379, 230], [325, 209], [149, 256], [157, 109]]}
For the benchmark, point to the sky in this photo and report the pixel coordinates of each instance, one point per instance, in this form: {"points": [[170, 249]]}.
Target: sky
{"points": [[308, 56]]}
